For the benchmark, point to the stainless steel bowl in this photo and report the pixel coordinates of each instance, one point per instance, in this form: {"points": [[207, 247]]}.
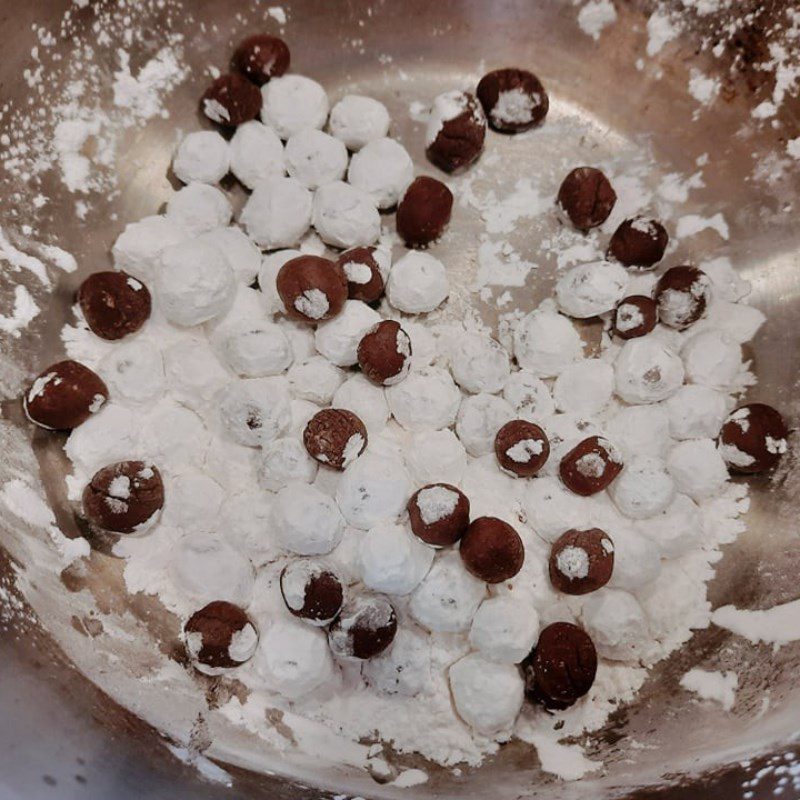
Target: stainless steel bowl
{"points": [[63, 736]]}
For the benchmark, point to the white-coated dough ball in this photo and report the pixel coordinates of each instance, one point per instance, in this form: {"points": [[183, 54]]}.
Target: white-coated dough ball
{"points": [[712, 358], [404, 668], [617, 624], [383, 169], [256, 154], [292, 103], [530, 396], [306, 521], [285, 461], [109, 435], [192, 503], [488, 696], [277, 213], [426, 400], [640, 430], [315, 158], [357, 120], [199, 208], [315, 379], [366, 400], [504, 629], [677, 529], [134, 371], [338, 338], [479, 418], [644, 488], [254, 411], [584, 387], [589, 290], [174, 437], [138, 248], [551, 508], [435, 457], [256, 350], [345, 217], [565, 431], [243, 257], [202, 156], [647, 371], [696, 412], [545, 342], [268, 275], [448, 596], [392, 559], [417, 283], [637, 561], [697, 468], [373, 488], [478, 362], [194, 284]]}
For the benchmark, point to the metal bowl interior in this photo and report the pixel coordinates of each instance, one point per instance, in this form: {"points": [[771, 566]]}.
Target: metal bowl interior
{"points": [[602, 106]]}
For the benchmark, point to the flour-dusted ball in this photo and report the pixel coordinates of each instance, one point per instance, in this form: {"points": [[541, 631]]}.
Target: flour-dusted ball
{"points": [[312, 289], [403, 669], [456, 131], [479, 419], [696, 412], [277, 213], [357, 120], [335, 437], [644, 488], [311, 590], [565, 432], [589, 290], [417, 283], [635, 316], [202, 156], [268, 277], [591, 466], [545, 342], [231, 100], [677, 529], [256, 350], [383, 169], [193, 372], [712, 358], [637, 560], [439, 514], [134, 371], [479, 363], [697, 468], [315, 158], [372, 489], [448, 596], [617, 624], [137, 249], [365, 627], [640, 430], [492, 550], [530, 396], [552, 509], [294, 659], [365, 399], [345, 216], [384, 353], [256, 154], [488, 696], [639, 242], [647, 371], [435, 455], [243, 257], [424, 211], [682, 294], [504, 630], [315, 379], [584, 387], [581, 561], [425, 400], [366, 269], [306, 521], [338, 338], [513, 99], [753, 438], [293, 103], [219, 637], [392, 560], [261, 57], [586, 197], [114, 304], [522, 448], [254, 411], [284, 461]]}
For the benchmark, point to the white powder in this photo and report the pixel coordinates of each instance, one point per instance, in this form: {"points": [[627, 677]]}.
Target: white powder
{"points": [[717, 686], [778, 625], [436, 503], [313, 303], [357, 272], [524, 450], [596, 15], [573, 562]]}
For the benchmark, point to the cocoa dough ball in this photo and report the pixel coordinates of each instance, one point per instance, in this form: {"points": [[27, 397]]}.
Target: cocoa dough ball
{"points": [[311, 591], [424, 211], [522, 448], [635, 316], [335, 437], [439, 514], [682, 295], [459, 140], [590, 466], [514, 100], [231, 100], [211, 637], [384, 353], [561, 667], [353, 262], [753, 438], [587, 197], [261, 57], [114, 304], [492, 550], [124, 497], [639, 242], [581, 561], [312, 288], [365, 627], [64, 395]]}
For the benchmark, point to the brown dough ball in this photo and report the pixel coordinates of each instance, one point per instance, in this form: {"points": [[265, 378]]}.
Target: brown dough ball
{"points": [[639, 242], [635, 316], [492, 550], [587, 197], [439, 514], [335, 437], [514, 100], [384, 353], [753, 438], [459, 141], [261, 57], [521, 448], [231, 100], [313, 289], [311, 591], [65, 395], [114, 304], [590, 466], [214, 637], [581, 561], [352, 262], [125, 497], [365, 627], [682, 295], [561, 668], [424, 211]]}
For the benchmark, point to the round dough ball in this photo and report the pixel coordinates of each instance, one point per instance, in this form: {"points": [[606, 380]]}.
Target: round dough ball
{"points": [[199, 208], [529, 395], [479, 418], [504, 630], [617, 625], [697, 468], [545, 342], [256, 154], [305, 521], [479, 363], [345, 217], [338, 338], [643, 489], [138, 248], [357, 120], [278, 213], [392, 560], [417, 283], [285, 461], [254, 411], [435, 456], [315, 158], [317, 380], [134, 371], [640, 430], [202, 156], [293, 103], [677, 529], [268, 275], [647, 371], [584, 387], [712, 358], [696, 412], [383, 169], [405, 668], [426, 400], [372, 489], [365, 400], [552, 509], [256, 350], [243, 257], [637, 561], [589, 290]]}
